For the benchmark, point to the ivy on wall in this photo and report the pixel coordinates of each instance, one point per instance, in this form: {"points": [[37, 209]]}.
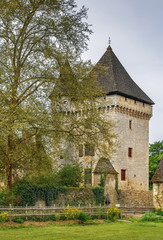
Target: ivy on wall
{"points": [[29, 193], [99, 193]]}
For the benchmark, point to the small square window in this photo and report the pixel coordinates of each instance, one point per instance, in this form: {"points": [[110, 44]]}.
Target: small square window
{"points": [[129, 152], [123, 175]]}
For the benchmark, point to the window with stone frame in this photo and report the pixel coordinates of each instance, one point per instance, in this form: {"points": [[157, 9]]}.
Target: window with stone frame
{"points": [[123, 174], [89, 149]]}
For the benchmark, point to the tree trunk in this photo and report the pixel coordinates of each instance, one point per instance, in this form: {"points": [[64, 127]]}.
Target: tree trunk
{"points": [[9, 161]]}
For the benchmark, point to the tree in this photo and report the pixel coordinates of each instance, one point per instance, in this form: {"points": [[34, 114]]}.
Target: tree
{"points": [[78, 103], [155, 155], [70, 175], [31, 32]]}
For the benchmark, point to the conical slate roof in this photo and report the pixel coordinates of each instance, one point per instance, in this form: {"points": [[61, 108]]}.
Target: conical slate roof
{"points": [[158, 176], [115, 79], [104, 166]]}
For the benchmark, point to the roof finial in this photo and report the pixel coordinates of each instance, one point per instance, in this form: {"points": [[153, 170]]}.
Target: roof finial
{"points": [[109, 41]]}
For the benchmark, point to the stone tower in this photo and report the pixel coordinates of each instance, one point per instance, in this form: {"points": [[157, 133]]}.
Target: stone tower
{"points": [[131, 109]]}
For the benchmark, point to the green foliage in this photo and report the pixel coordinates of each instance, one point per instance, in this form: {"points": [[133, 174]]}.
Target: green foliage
{"points": [[57, 217], [29, 193], [41, 218], [156, 148], [102, 180], [6, 197], [18, 220], [151, 217], [4, 216], [99, 194], [71, 213], [112, 213], [70, 175], [83, 217], [158, 212], [39, 179], [155, 155], [39, 34]]}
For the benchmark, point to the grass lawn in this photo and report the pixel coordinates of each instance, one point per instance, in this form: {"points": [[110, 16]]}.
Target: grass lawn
{"points": [[106, 231]]}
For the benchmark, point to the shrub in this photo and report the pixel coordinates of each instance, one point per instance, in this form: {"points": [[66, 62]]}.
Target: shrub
{"points": [[62, 217], [158, 212], [112, 213], [71, 213], [6, 197], [57, 217], [4, 216], [151, 217], [83, 217], [93, 217], [18, 220], [99, 194], [70, 175]]}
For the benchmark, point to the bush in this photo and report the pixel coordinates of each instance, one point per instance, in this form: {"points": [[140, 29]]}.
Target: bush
{"points": [[158, 212], [99, 194], [62, 217], [18, 220], [112, 213], [41, 219], [151, 217], [70, 175], [93, 217], [4, 217], [83, 217], [57, 217], [6, 197], [71, 213]]}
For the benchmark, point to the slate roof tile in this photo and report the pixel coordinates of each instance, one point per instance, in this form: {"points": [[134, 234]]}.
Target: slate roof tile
{"points": [[104, 166], [115, 79]]}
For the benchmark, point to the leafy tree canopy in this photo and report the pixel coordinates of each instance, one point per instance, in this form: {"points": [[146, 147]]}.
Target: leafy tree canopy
{"points": [[32, 33], [155, 155]]}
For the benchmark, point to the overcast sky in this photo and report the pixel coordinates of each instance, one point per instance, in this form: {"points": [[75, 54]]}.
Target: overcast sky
{"points": [[136, 31]]}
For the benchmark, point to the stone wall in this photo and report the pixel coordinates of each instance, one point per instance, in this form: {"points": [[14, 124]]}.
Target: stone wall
{"points": [[73, 197], [158, 195], [130, 198], [131, 118]]}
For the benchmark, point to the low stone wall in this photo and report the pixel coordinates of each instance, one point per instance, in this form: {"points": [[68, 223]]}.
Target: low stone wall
{"points": [[73, 197], [76, 196], [130, 198], [86, 197]]}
